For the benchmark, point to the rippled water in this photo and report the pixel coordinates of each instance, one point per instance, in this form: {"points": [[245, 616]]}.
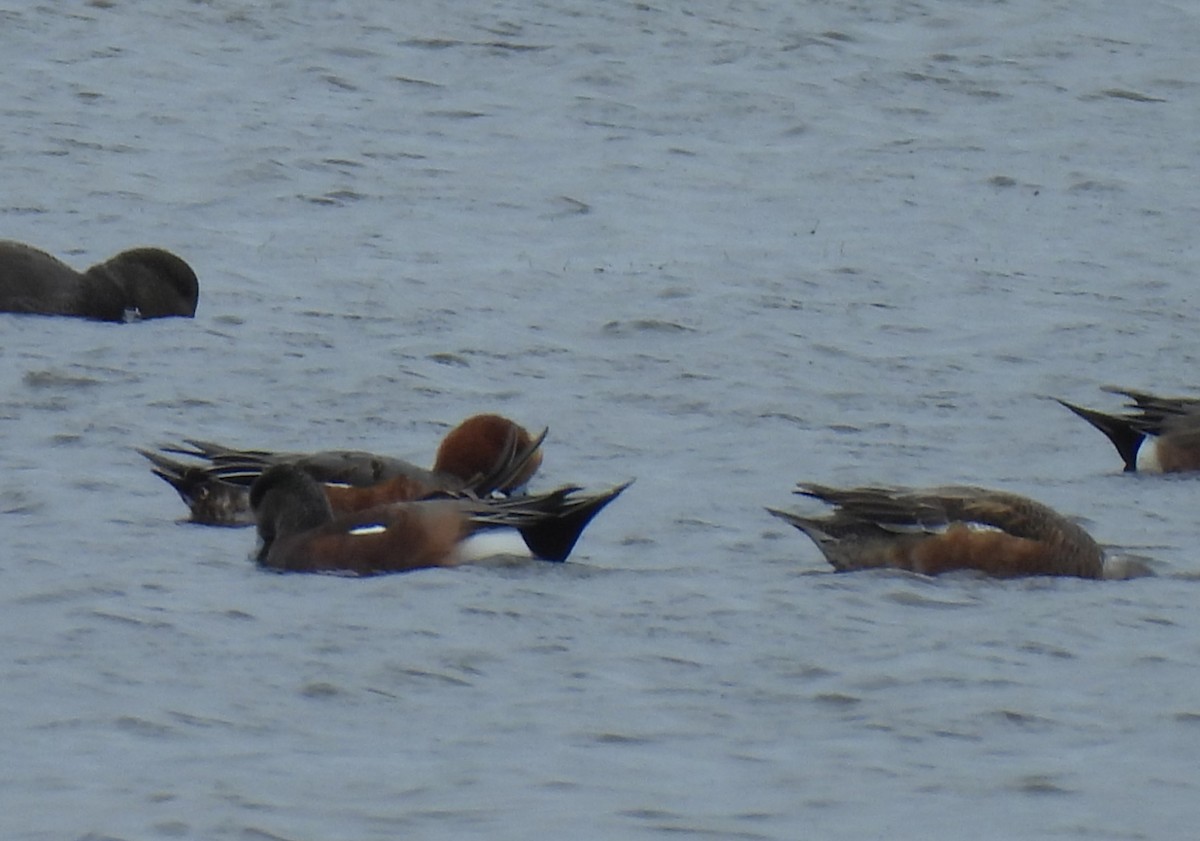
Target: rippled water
{"points": [[719, 248]]}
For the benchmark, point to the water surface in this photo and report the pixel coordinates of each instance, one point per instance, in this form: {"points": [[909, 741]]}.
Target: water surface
{"points": [[719, 249]]}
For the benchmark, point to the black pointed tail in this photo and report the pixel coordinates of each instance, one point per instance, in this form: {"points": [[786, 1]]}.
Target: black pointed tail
{"points": [[1122, 432], [554, 538], [551, 523]]}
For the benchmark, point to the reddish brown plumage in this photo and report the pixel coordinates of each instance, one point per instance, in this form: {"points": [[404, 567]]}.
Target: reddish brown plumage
{"points": [[348, 498], [300, 532], [416, 536], [1178, 449], [951, 528], [994, 552], [473, 447], [484, 453]]}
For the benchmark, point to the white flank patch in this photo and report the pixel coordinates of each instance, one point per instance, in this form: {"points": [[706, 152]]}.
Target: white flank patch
{"points": [[974, 526], [371, 529], [1147, 456], [942, 528], [488, 544]]}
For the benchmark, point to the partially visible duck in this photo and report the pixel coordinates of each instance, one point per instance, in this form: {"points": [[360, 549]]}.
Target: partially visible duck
{"points": [[1158, 434], [136, 284], [937, 530], [484, 454], [300, 532]]}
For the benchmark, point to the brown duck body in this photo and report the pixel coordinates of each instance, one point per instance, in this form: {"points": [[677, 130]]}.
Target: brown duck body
{"points": [[483, 454], [300, 532], [938, 530]]}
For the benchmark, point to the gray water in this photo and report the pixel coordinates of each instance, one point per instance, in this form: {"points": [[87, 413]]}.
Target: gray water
{"points": [[720, 247]]}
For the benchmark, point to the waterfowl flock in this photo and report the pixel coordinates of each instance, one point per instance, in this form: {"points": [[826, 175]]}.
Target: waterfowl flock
{"points": [[358, 513], [361, 513]]}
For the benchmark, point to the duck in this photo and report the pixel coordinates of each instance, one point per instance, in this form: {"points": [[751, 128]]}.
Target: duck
{"points": [[137, 284], [1158, 435], [945, 529], [299, 531], [484, 454]]}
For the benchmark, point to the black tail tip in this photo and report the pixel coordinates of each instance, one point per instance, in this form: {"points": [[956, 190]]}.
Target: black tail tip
{"points": [[555, 538]]}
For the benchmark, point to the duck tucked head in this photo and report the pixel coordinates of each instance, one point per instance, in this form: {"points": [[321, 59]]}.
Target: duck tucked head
{"points": [[482, 443], [286, 501], [154, 283], [943, 529]]}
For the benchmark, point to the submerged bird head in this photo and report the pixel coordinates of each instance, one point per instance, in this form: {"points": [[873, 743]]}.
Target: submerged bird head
{"points": [[287, 501]]}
